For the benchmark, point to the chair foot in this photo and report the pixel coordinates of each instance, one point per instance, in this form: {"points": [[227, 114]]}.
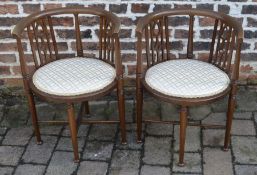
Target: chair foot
{"points": [[139, 141], [76, 160], [39, 142], [181, 164], [124, 143], [225, 149]]}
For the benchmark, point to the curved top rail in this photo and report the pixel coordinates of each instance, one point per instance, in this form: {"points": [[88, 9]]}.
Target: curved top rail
{"points": [[230, 20], [19, 28]]}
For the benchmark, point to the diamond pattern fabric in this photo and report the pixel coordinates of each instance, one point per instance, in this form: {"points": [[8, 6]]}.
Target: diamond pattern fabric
{"points": [[74, 76], [187, 78]]}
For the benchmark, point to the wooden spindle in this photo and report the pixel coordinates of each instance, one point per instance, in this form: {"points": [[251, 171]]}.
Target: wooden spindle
{"points": [[112, 49], [152, 42], [222, 26], [162, 35], [78, 36], [213, 40], [156, 46], [32, 45], [101, 38], [45, 30], [228, 37], [190, 38], [35, 29], [104, 37], [231, 49], [167, 37], [147, 45], [53, 36], [108, 38]]}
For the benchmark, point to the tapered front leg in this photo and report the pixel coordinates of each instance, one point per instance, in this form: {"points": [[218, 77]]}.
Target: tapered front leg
{"points": [[33, 112], [121, 104], [139, 108], [182, 135], [73, 130], [230, 112]]}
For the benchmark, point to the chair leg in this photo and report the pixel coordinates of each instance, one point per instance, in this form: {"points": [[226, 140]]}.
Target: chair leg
{"points": [[182, 135], [139, 107], [121, 105], [231, 108], [33, 112], [73, 130]]}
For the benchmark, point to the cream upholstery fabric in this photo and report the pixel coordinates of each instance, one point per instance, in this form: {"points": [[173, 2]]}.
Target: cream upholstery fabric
{"points": [[74, 76], [187, 78]]}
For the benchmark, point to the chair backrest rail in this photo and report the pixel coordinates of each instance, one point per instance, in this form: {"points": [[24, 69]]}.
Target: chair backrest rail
{"points": [[41, 32], [155, 29]]}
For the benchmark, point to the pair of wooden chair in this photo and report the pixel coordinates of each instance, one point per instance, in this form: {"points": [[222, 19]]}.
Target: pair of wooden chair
{"points": [[186, 82]]}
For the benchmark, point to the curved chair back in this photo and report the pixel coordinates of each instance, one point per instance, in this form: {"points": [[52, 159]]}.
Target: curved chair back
{"points": [[40, 29], [154, 32]]}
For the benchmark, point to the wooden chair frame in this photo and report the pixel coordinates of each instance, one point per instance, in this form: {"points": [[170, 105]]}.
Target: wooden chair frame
{"points": [[221, 53], [40, 32]]}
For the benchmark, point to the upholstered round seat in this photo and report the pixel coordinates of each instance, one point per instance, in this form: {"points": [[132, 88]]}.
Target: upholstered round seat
{"points": [[73, 76], [187, 78]]}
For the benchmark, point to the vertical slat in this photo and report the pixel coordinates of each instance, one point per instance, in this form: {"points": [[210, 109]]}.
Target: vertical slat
{"points": [[78, 36], [228, 37], [44, 50], [104, 36], [162, 35], [167, 37], [112, 49], [231, 49], [156, 48], [42, 36], [213, 40], [53, 36], [32, 45], [218, 42], [101, 38], [37, 43], [108, 47], [111, 39], [152, 42], [147, 45], [190, 38], [45, 30]]}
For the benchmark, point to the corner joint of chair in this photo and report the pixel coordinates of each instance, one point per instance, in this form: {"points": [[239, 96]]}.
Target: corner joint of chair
{"points": [[183, 109]]}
